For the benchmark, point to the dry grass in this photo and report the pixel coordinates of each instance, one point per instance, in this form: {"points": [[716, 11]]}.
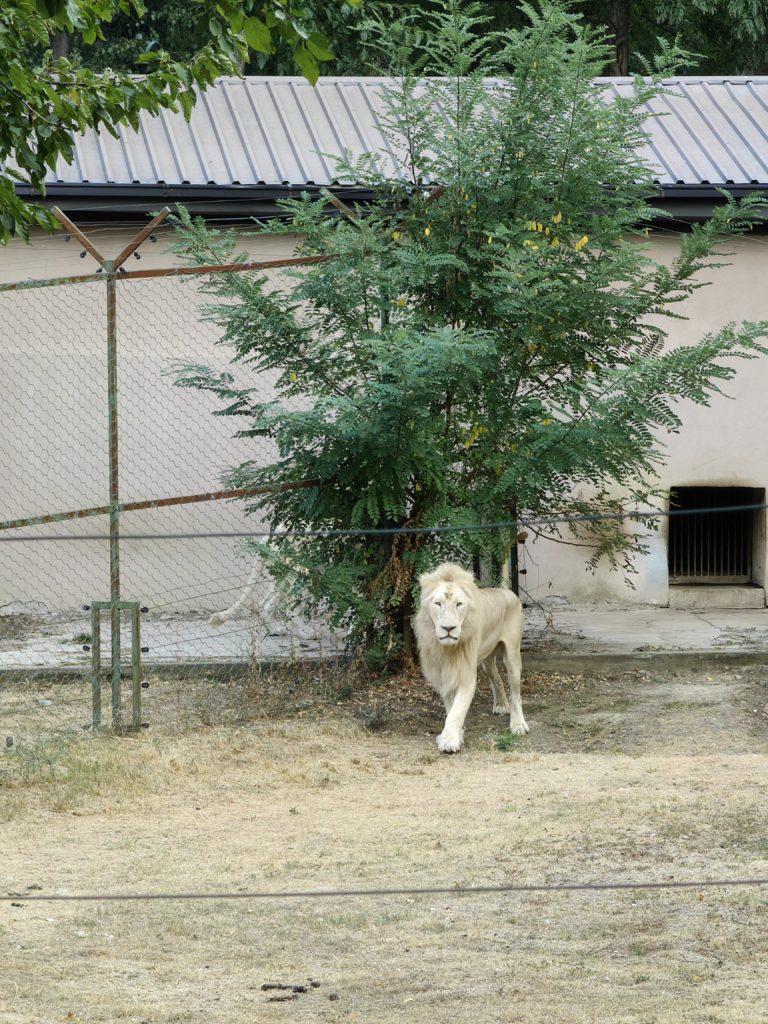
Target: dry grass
{"points": [[621, 777]]}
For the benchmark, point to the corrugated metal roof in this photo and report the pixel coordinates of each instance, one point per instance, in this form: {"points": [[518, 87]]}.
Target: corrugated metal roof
{"points": [[712, 131], [280, 131]]}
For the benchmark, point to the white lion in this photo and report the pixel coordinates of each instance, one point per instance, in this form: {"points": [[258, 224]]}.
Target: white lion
{"points": [[261, 605], [458, 627]]}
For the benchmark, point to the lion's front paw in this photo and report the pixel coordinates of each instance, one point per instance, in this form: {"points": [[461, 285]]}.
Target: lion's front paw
{"points": [[519, 728], [449, 742]]}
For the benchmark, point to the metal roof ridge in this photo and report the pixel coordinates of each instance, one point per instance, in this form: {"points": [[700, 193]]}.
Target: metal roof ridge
{"points": [[687, 79], [625, 79]]}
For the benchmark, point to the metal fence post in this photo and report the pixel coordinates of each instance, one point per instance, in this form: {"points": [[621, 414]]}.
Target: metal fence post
{"points": [[136, 667], [114, 489], [97, 607], [95, 668]]}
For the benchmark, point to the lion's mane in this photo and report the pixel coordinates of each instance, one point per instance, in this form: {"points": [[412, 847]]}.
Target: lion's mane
{"points": [[441, 665]]}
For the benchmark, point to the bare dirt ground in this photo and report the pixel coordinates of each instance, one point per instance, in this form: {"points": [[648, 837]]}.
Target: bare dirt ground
{"points": [[309, 785]]}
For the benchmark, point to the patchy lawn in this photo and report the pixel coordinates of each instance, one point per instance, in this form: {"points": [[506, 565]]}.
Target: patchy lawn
{"points": [[307, 783]]}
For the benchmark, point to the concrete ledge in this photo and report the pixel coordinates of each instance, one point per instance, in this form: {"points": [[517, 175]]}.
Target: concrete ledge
{"points": [[712, 596]]}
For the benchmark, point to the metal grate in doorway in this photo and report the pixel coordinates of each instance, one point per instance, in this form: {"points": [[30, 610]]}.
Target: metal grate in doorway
{"points": [[712, 546]]}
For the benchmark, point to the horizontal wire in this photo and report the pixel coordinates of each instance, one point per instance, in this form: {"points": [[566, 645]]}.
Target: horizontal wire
{"points": [[191, 586], [453, 890], [196, 597], [218, 635], [512, 524]]}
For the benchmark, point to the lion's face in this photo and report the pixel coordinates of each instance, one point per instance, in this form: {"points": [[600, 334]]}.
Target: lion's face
{"points": [[448, 606]]}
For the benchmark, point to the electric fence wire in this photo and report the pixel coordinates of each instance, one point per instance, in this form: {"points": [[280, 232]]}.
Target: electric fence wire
{"points": [[639, 515], [438, 890]]}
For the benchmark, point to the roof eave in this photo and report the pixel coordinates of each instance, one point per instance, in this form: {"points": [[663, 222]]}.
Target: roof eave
{"points": [[123, 202]]}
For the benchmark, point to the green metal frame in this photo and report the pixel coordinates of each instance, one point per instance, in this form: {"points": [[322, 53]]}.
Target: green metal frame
{"points": [[115, 608]]}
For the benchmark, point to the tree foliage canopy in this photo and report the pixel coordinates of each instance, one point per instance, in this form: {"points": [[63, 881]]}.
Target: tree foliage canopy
{"points": [[487, 343], [44, 99], [728, 36]]}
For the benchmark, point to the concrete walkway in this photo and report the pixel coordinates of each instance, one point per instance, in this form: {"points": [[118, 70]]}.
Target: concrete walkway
{"points": [[600, 634], [605, 633]]}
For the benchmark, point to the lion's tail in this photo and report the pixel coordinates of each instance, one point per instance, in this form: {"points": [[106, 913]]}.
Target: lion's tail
{"points": [[219, 618]]}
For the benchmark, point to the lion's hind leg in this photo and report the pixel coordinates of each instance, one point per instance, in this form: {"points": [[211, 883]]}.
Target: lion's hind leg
{"points": [[500, 701], [514, 664]]}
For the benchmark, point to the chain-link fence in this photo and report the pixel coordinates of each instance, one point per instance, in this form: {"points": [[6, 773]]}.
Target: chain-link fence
{"points": [[98, 439]]}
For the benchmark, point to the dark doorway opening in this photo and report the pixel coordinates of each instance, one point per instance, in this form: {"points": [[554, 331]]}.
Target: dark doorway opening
{"points": [[710, 546]]}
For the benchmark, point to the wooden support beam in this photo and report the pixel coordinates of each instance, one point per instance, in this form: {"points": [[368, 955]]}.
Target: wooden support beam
{"points": [[144, 233], [83, 239]]}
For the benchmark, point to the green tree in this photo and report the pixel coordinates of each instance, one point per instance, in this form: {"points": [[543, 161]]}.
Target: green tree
{"points": [[45, 98], [284, 33], [488, 347], [728, 36]]}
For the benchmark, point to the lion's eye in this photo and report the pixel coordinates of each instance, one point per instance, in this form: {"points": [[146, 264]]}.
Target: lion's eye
{"points": [[459, 604], [438, 604]]}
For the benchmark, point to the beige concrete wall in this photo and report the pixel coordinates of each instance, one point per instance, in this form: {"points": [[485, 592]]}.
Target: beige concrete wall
{"points": [[722, 445], [53, 425], [53, 417]]}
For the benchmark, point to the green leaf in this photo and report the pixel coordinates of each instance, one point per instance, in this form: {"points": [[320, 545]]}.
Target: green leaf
{"points": [[74, 14], [257, 35], [19, 78], [319, 47], [301, 30], [306, 64]]}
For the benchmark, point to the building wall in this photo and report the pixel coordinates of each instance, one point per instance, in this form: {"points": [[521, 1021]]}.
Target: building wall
{"points": [[53, 424], [722, 445]]}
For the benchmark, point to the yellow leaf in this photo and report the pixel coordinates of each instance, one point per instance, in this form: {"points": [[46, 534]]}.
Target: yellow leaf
{"points": [[401, 302], [581, 243], [418, 487], [294, 376], [556, 218], [396, 235], [427, 231]]}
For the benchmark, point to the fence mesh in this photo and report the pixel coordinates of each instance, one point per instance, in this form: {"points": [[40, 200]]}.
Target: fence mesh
{"points": [[55, 463], [55, 460]]}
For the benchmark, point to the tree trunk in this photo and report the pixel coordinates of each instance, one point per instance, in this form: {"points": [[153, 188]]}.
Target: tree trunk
{"points": [[60, 44], [618, 29], [407, 627]]}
